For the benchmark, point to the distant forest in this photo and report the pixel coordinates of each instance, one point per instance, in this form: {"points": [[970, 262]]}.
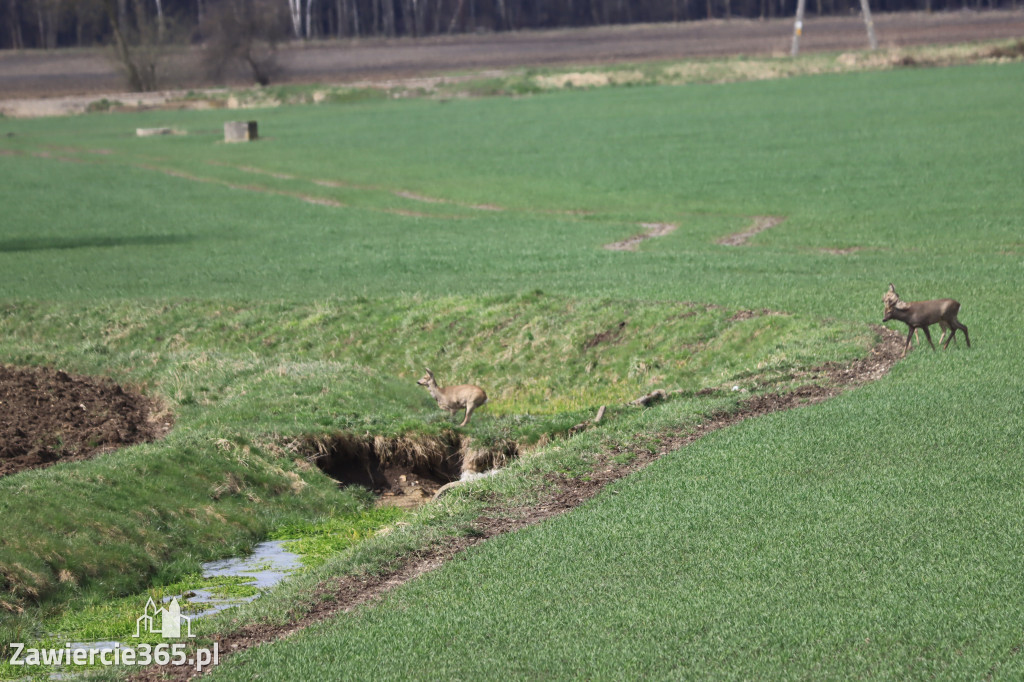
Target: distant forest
{"points": [[30, 24]]}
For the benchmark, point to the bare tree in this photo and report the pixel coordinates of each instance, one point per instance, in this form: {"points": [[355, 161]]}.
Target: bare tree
{"points": [[137, 44], [17, 42], [295, 10], [161, 22], [245, 32], [48, 14]]}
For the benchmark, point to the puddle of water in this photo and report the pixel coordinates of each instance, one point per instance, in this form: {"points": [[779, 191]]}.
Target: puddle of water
{"points": [[214, 604], [269, 564]]}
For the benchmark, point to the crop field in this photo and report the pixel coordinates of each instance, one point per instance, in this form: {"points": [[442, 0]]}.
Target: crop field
{"points": [[277, 301]]}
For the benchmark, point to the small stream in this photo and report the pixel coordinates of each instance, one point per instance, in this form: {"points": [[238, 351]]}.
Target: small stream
{"points": [[268, 565]]}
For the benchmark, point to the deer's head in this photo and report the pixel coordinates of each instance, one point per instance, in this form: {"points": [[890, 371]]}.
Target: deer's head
{"points": [[892, 303], [427, 379]]}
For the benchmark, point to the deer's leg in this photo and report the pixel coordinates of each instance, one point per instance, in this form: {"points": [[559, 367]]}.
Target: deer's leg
{"points": [[928, 335], [951, 335], [945, 330], [469, 411], [906, 345], [956, 324]]}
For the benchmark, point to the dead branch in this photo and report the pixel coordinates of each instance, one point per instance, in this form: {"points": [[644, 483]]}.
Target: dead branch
{"points": [[652, 397]]}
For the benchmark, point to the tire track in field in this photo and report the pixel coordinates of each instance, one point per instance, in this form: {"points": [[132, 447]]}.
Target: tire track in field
{"points": [[312, 198], [652, 230], [261, 189], [343, 184], [759, 224]]}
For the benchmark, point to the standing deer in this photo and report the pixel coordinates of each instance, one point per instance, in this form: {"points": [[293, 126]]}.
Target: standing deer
{"points": [[922, 314], [454, 398]]}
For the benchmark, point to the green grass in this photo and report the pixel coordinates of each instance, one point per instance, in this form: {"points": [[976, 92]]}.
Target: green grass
{"points": [[245, 382], [875, 535], [318, 542]]}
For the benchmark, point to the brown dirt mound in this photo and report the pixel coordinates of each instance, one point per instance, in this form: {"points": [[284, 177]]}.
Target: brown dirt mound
{"points": [[49, 416]]}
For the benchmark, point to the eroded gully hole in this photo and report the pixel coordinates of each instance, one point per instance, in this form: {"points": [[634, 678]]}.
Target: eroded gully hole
{"points": [[406, 471]]}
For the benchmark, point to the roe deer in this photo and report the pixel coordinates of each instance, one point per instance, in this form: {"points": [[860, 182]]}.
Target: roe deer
{"points": [[454, 398], [922, 314]]}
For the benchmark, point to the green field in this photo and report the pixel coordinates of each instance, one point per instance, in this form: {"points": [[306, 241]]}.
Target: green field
{"points": [[293, 289]]}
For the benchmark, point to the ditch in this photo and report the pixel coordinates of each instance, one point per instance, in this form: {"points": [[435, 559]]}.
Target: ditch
{"points": [[406, 471]]}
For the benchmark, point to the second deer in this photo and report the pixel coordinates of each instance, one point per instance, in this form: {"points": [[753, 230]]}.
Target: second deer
{"points": [[922, 314], [454, 398]]}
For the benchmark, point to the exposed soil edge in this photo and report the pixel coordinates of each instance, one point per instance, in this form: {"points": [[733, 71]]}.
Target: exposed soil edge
{"points": [[346, 593], [760, 224], [653, 230], [404, 471]]}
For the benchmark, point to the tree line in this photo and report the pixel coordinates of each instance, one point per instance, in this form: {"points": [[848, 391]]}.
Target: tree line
{"points": [[49, 24]]}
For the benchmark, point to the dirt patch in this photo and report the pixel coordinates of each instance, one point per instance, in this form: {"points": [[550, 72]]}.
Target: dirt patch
{"points": [[843, 252], [347, 592], [49, 416], [652, 230], [760, 224], [608, 336], [750, 314], [404, 471]]}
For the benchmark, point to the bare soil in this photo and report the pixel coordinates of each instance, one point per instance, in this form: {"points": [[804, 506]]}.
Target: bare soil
{"points": [[760, 224], [344, 593], [92, 73], [49, 416], [653, 230]]}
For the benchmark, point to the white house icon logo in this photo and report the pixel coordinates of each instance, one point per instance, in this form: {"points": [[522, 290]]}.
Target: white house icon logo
{"points": [[170, 620]]}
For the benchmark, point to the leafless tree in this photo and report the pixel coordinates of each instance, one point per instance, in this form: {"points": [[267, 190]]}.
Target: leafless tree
{"points": [[245, 32], [17, 42], [139, 42]]}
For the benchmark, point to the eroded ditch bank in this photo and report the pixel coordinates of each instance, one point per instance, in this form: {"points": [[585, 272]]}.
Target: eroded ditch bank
{"points": [[406, 471], [344, 593]]}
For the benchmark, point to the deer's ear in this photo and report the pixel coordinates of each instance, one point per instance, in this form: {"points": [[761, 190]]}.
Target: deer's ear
{"points": [[902, 305], [892, 288]]}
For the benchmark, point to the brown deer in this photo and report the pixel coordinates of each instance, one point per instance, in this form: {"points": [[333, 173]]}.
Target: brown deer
{"points": [[922, 314], [454, 398]]}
